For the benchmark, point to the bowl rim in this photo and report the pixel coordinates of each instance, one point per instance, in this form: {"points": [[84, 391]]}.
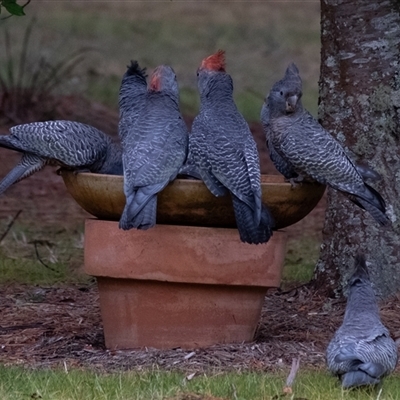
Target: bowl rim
{"points": [[275, 179]]}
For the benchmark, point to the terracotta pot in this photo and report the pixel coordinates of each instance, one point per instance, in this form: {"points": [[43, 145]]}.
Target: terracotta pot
{"points": [[189, 281], [179, 286], [189, 202]]}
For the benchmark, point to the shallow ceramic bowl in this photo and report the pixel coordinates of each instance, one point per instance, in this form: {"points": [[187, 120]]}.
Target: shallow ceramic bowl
{"points": [[189, 202]]}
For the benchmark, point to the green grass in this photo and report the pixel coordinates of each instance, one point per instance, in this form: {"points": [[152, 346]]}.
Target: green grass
{"points": [[19, 383], [260, 38], [301, 257], [42, 255]]}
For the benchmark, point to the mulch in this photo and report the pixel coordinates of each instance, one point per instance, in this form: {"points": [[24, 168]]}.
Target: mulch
{"points": [[61, 327]]}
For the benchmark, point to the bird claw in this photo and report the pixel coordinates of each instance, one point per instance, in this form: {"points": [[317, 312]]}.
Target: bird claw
{"points": [[78, 171], [299, 180], [294, 182]]}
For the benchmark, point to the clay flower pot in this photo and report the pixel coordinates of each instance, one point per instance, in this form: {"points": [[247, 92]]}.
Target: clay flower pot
{"points": [[189, 281], [179, 286]]}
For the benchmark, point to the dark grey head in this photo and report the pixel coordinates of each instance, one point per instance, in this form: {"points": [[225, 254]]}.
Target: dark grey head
{"points": [[163, 79], [285, 95], [284, 99], [292, 75]]}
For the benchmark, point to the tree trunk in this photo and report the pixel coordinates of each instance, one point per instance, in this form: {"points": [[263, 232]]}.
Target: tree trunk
{"points": [[360, 105]]}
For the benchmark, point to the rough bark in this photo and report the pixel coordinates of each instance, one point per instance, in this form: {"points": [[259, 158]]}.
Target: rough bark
{"points": [[360, 105]]}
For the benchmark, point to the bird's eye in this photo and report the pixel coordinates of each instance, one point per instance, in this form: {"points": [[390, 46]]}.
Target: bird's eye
{"points": [[281, 93]]}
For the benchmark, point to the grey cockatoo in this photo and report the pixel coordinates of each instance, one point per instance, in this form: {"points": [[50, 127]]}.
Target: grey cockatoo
{"points": [[132, 94], [154, 149], [301, 148], [224, 152], [361, 351], [65, 143]]}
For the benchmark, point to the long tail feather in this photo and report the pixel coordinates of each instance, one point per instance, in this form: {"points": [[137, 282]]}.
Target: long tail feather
{"points": [[249, 232], [143, 219], [375, 212], [134, 215], [371, 201], [357, 378], [28, 165]]}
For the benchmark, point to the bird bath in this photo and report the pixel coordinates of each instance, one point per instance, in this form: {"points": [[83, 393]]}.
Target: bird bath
{"points": [[189, 281]]}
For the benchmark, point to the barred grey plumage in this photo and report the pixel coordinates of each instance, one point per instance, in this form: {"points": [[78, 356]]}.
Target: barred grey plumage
{"points": [[300, 147], [132, 94], [361, 351], [189, 169], [66, 143], [154, 149], [224, 152]]}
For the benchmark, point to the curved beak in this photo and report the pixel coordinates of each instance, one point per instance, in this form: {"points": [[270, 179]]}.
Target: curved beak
{"points": [[291, 103]]}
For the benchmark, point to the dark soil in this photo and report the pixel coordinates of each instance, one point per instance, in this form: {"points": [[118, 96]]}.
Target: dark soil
{"points": [[58, 326]]}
